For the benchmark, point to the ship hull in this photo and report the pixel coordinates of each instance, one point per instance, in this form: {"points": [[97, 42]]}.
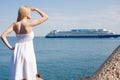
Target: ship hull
{"points": [[86, 36]]}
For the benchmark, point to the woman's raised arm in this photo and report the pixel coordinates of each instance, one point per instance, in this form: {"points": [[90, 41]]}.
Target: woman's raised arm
{"points": [[40, 20]]}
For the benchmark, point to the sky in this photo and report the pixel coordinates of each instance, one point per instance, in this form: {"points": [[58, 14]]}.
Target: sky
{"points": [[65, 14]]}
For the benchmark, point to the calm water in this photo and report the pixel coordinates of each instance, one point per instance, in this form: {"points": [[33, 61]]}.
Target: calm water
{"points": [[63, 59]]}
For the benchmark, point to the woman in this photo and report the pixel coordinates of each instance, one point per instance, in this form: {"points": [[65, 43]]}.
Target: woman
{"points": [[23, 64]]}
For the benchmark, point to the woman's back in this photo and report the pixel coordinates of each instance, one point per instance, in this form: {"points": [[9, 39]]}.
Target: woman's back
{"points": [[22, 28]]}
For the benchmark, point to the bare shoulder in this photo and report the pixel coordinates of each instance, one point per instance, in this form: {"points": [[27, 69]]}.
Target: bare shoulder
{"points": [[16, 23], [16, 26], [21, 24]]}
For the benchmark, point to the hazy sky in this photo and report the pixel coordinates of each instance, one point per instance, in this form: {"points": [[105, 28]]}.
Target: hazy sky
{"points": [[66, 14]]}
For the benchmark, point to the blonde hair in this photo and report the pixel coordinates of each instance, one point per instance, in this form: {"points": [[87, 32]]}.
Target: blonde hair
{"points": [[23, 12]]}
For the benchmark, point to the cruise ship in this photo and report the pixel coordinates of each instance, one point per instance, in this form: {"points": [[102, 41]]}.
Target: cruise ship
{"points": [[82, 33]]}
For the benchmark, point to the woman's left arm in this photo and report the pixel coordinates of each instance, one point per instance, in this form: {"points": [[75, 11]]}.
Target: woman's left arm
{"points": [[4, 35]]}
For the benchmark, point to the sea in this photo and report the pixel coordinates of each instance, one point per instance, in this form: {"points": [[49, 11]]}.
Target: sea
{"points": [[63, 58]]}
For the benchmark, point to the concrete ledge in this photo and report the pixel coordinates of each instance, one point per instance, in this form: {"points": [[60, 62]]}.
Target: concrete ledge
{"points": [[110, 69]]}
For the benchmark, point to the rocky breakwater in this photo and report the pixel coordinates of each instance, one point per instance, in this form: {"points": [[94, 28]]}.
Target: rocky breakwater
{"points": [[110, 69]]}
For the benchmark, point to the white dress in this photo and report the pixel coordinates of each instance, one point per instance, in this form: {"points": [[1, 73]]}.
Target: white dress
{"points": [[23, 64]]}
